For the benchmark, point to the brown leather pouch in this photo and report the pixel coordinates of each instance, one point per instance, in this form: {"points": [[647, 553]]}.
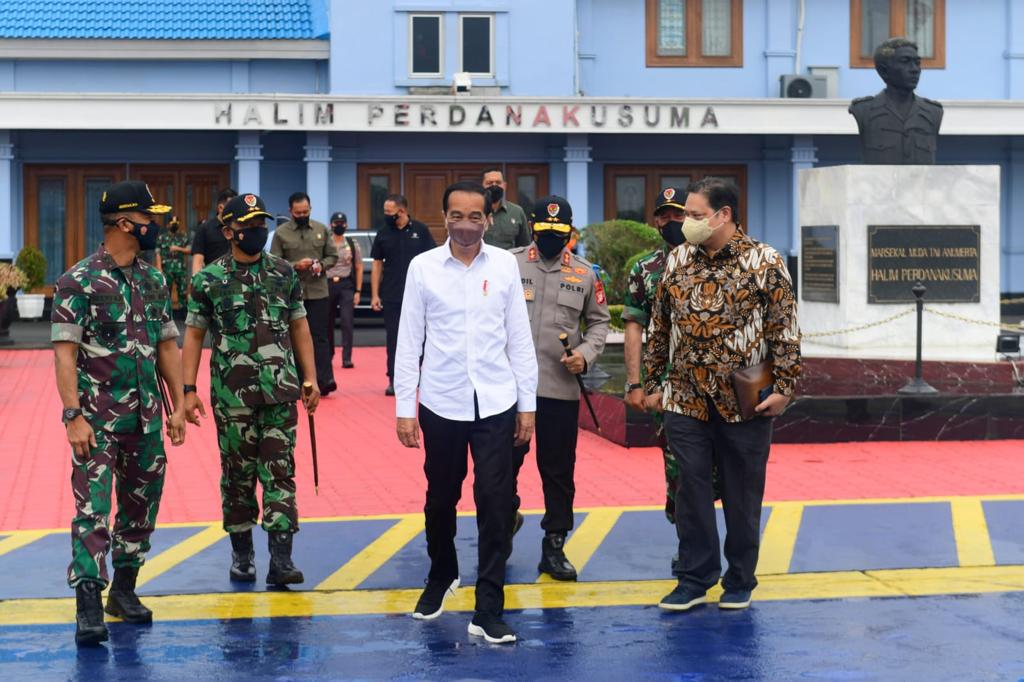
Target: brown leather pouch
{"points": [[752, 385]]}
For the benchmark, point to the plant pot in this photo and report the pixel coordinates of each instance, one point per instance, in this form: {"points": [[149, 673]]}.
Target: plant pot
{"points": [[30, 306]]}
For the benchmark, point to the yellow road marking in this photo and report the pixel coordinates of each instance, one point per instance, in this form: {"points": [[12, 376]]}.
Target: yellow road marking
{"points": [[973, 545], [19, 539], [376, 554], [582, 544], [779, 538], [627, 508], [189, 547], [555, 595]]}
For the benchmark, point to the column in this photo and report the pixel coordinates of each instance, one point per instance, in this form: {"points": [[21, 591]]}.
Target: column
{"points": [[577, 185], [803, 157], [318, 160], [248, 154], [343, 185], [6, 195]]}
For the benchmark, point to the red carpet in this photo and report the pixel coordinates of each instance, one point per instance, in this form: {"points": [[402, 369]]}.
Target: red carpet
{"points": [[364, 470]]}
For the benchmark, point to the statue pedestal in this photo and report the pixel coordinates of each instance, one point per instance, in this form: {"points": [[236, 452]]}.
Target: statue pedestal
{"points": [[871, 232]]}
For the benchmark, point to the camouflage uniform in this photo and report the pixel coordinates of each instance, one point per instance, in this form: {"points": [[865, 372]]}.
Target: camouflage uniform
{"points": [[642, 286], [174, 263], [254, 384], [117, 316]]}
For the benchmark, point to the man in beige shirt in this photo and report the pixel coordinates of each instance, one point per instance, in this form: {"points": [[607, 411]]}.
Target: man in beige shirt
{"points": [[308, 246]]}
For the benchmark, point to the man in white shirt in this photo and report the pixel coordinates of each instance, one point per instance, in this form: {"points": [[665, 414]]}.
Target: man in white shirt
{"points": [[464, 312]]}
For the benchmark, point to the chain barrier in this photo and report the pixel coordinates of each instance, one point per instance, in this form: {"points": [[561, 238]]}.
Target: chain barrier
{"points": [[970, 320], [859, 328]]}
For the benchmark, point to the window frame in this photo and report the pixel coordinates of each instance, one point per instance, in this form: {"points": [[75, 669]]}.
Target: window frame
{"points": [[897, 27], [491, 56], [694, 38], [440, 45], [651, 174]]}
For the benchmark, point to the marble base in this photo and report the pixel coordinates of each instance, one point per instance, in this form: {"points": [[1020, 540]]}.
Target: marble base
{"points": [[854, 197]]}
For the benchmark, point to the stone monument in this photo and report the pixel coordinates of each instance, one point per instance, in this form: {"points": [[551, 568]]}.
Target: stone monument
{"points": [[870, 232]]}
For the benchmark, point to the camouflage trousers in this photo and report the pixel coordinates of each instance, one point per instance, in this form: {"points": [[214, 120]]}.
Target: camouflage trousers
{"points": [[135, 464], [258, 443], [177, 276]]}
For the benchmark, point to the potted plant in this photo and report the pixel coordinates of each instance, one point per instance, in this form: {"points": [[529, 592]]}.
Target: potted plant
{"points": [[31, 301], [11, 279]]}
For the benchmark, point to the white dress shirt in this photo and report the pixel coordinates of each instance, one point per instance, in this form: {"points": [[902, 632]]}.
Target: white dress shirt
{"points": [[473, 329]]}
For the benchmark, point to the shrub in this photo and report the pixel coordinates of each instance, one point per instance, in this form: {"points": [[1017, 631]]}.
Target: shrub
{"points": [[11, 277], [612, 244], [616, 321], [32, 262]]}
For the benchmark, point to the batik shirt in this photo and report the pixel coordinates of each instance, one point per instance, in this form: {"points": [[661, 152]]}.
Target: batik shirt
{"points": [[713, 315], [249, 309], [117, 316]]}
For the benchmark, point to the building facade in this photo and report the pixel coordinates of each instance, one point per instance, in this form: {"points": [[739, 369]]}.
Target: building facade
{"points": [[604, 101]]}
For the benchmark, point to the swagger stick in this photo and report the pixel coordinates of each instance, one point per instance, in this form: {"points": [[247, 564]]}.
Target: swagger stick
{"points": [[163, 394], [307, 388], [564, 338]]}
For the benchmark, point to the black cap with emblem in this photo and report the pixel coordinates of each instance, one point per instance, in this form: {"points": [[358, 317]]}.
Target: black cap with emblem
{"points": [[131, 195], [242, 208], [671, 197], [552, 209], [338, 217]]}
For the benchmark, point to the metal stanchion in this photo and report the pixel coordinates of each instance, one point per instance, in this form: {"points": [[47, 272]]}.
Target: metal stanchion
{"points": [[917, 385]]}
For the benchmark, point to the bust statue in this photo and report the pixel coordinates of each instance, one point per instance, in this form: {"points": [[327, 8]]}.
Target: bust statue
{"points": [[896, 126]]}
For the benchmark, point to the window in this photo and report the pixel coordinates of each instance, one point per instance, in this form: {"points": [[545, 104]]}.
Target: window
{"points": [[694, 32], [425, 41], [630, 191], [476, 44], [874, 21]]}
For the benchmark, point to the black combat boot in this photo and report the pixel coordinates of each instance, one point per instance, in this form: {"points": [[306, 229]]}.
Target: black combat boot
{"points": [[89, 627], [552, 558], [122, 600], [243, 566], [282, 570]]}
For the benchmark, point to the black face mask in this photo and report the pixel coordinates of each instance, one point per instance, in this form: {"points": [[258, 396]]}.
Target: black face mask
{"points": [[302, 221], [550, 244], [391, 220], [495, 193], [251, 240], [672, 232], [339, 229], [148, 240]]}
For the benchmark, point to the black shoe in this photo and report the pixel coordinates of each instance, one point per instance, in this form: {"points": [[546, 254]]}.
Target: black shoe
{"points": [[89, 625], [282, 571], [347, 365], [431, 602], [243, 558], [329, 389], [491, 628], [390, 390], [517, 523], [683, 598], [552, 558], [122, 600], [734, 599]]}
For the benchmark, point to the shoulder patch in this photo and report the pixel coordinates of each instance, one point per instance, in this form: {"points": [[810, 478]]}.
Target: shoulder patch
{"points": [[599, 291]]}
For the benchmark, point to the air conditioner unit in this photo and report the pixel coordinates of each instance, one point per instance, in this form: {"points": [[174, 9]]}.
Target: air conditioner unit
{"points": [[796, 86]]}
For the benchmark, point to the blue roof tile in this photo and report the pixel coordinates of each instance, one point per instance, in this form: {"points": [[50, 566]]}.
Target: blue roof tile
{"points": [[158, 19]]}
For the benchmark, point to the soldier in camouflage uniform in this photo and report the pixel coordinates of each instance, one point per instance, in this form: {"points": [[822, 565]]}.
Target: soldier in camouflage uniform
{"points": [[251, 301], [112, 331], [174, 245]]}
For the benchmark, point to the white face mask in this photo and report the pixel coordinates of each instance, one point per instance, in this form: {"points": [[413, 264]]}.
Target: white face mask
{"points": [[699, 231]]}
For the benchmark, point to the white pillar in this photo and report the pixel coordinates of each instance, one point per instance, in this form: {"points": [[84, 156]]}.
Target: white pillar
{"points": [[6, 195], [318, 160], [248, 154], [577, 186], [343, 184]]}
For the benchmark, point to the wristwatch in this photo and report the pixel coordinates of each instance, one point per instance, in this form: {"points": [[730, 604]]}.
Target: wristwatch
{"points": [[70, 414], [632, 387], [188, 388]]}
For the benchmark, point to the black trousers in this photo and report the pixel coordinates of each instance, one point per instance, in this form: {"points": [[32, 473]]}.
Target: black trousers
{"points": [[556, 434], [392, 315], [740, 451], [341, 307], [316, 315], [490, 442]]}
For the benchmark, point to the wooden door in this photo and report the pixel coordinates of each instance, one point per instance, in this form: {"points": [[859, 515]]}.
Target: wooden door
{"points": [[190, 190]]}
